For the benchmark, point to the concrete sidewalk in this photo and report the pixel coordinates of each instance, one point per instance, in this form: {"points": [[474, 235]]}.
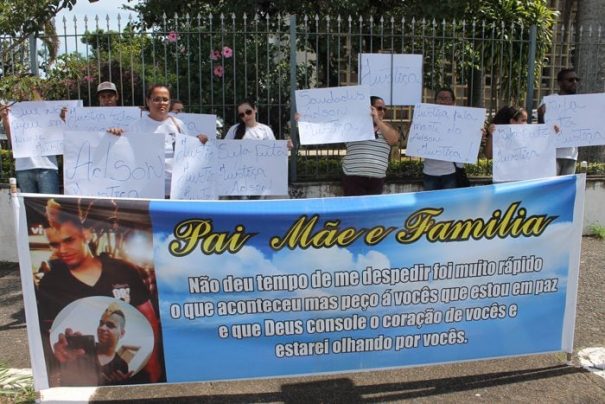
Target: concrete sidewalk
{"points": [[535, 379]]}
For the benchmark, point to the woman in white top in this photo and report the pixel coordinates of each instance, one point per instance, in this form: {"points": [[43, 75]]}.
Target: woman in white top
{"points": [[160, 121], [249, 128]]}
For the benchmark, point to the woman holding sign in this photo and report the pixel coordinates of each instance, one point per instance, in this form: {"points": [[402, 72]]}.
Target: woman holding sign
{"points": [[160, 121], [504, 116], [366, 162]]}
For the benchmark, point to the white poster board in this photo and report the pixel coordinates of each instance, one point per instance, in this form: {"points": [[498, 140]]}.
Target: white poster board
{"points": [[446, 133], [396, 78], [196, 124], [193, 169], [36, 127], [101, 164], [334, 115], [579, 117], [523, 152], [229, 168], [101, 118]]}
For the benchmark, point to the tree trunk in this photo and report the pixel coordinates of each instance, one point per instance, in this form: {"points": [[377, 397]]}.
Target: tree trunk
{"points": [[590, 59]]}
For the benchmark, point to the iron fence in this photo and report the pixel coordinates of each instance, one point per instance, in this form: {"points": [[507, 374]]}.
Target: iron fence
{"points": [[212, 62]]}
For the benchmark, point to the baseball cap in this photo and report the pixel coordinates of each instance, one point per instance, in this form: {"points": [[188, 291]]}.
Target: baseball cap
{"points": [[107, 86]]}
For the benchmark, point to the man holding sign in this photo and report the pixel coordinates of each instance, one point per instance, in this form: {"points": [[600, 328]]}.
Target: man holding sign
{"points": [[35, 174], [566, 156]]}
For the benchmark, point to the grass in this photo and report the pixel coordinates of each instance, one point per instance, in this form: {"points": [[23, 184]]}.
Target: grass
{"points": [[598, 231], [15, 389]]}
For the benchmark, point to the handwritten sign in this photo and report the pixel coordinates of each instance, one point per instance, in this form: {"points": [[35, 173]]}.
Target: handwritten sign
{"points": [[196, 124], [37, 129], [101, 118], [100, 164], [524, 152], [334, 115], [229, 167], [446, 133], [194, 169], [395, 78], [579, 118]]}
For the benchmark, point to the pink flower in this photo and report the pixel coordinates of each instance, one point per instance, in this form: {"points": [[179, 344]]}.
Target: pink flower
{"points": [[215, 55], [219, 71], [89, 78], [172, 36], [227, 52]]}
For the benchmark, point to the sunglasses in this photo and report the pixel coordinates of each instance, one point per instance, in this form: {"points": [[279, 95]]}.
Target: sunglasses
{"points": [[381, 109], [107, 324], [247, 112]]}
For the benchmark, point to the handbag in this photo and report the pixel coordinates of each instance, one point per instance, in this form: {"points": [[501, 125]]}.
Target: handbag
{"points": [[461, 178]]}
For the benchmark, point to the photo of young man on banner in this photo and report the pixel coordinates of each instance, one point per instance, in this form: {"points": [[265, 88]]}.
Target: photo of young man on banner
{"points": [[82, 248]]}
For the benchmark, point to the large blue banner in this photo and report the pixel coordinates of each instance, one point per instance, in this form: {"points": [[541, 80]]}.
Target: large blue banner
{"points": [[246, 289]]}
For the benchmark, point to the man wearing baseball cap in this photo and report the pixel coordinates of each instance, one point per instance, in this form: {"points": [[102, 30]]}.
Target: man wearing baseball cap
{"points": [[107, 94]]}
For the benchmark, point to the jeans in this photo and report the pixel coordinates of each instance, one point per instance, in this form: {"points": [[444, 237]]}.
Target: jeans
{"points": [[435, 182], [38, 181]]}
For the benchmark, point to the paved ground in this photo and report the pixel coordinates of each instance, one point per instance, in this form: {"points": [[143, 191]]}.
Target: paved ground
{"points": [[531, 379]]}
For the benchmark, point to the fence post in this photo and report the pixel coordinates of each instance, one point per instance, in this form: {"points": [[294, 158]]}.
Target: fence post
{"points": [[33, 55], [531, 68], [293, 124]]}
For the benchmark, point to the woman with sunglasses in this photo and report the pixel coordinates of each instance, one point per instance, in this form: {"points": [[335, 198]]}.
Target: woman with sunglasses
{"points": [[365, 165], [158, 120], [249, 128]]}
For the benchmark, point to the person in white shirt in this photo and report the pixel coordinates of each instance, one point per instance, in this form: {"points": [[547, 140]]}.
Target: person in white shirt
{"points": [[249, 128], [38, 174], [160, 121], [439, 174], [566, 156]]}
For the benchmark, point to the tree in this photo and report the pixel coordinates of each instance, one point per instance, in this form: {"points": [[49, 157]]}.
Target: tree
{"points": [[24, 18]]}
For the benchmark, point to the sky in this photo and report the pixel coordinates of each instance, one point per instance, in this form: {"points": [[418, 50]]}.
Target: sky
{"points": [[84, 8]]}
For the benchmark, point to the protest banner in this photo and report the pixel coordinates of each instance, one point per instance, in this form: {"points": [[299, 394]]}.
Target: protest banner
{"points": [[446, 133], [334, 115], [196, 124], [36, 127], [101, 118], [316, 286], [101, 164], [229, 168], [578, 117], [395, 78], [523, 152]]}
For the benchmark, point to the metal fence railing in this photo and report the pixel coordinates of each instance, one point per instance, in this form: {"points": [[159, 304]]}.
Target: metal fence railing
{"points": [[211, 62]]}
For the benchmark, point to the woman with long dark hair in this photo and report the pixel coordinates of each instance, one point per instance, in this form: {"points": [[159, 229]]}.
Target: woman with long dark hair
{"points": [[249, 128]]}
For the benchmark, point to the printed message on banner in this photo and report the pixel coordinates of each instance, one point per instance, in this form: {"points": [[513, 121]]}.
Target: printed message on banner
{"points": [[446, 133], [37, 128], [334, 115], [311, 286]]}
